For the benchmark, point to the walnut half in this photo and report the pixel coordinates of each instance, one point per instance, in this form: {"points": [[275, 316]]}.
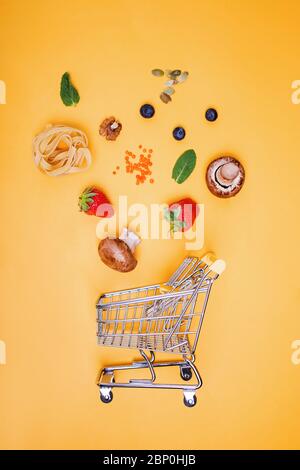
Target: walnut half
{"points": [[110, 128]]}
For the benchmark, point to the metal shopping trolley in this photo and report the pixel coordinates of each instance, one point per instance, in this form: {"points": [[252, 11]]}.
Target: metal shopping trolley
{"points": [[158, 318]]}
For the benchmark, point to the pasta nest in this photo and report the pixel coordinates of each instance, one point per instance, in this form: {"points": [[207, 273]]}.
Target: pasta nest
{"points": [[61, 150]]}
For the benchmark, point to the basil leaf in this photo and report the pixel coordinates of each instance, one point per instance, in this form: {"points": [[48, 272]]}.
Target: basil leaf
{"points": [[184, 166], [68, 92]]}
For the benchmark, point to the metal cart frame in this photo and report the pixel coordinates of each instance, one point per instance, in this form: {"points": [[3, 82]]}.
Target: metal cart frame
{"points": [[158, 318]]}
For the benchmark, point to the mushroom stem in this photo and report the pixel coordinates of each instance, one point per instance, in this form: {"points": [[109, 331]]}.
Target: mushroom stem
{"points": [[227, 173], [130, 238]]}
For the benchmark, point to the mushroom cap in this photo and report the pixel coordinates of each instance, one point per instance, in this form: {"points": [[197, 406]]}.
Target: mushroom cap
{"points": [[225, 177], [116, 254]]}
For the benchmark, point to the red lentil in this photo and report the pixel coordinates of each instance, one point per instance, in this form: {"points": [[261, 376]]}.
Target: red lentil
{"points": [[141, 168]]}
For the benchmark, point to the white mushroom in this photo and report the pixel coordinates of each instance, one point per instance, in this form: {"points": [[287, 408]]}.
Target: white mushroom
{"points": [[225, 177], [130, 238], [117, 253]]}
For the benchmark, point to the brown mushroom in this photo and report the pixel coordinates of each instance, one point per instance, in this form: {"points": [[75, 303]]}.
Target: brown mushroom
{"points": [[117, 253], [110, 128], [225, 177]]}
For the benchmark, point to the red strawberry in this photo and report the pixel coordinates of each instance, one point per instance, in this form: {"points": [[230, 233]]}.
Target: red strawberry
{"points": [[182, 214], [94, 202]]}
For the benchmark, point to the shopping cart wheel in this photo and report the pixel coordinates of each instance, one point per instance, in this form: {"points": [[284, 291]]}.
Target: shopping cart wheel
{"points": [[106, 397], [189, 400], [185, 373]]}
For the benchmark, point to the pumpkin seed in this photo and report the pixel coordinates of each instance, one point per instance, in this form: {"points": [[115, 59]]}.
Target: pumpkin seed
{"points": [[175, 73], [157, 72], [165, 98], [175, 76], [169, 91], [182, 77]]}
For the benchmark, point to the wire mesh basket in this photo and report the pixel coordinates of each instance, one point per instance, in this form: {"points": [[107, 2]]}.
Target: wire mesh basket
{"points": [[161, 317]]}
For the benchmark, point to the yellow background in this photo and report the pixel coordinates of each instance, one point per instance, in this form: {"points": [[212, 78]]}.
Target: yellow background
{"points": [[242, 57]]}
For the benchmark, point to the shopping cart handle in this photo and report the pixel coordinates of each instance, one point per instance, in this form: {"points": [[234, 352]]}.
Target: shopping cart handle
{"points": [[218, 266]]}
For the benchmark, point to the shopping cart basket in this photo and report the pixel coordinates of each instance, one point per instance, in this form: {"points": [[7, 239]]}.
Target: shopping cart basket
{"points": [[158, 318]]}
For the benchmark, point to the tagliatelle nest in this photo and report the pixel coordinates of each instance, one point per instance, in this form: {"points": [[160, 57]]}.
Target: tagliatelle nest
{"points": [[60, 150]]}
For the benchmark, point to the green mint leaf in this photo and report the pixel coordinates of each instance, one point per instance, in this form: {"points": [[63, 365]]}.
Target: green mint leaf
{"points": [[74, 95], [184, 166], [68, 92]]}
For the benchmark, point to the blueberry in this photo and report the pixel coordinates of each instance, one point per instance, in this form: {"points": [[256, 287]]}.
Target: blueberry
{"points": [[147, 111], [211, 114], [179, 133]]}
